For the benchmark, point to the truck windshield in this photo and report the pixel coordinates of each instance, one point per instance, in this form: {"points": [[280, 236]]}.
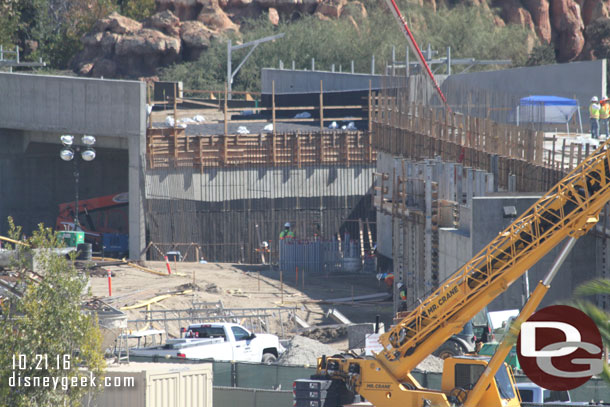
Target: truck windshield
{"points": [[206, 332], [504, 384], [555, 395]]}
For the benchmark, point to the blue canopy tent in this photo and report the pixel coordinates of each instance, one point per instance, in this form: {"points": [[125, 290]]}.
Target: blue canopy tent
{"points": [[548, 109]]}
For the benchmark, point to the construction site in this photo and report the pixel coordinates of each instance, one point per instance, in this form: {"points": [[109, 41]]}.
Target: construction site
{"points": [[325, 210]]}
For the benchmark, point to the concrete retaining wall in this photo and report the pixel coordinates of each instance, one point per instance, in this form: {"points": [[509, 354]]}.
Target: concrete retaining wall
{"points": [[76, 105], [504, 88], [52, 105]]}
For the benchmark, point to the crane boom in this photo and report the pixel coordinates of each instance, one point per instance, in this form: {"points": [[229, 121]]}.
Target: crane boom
{"points": [[570, 208], [404, 27]]}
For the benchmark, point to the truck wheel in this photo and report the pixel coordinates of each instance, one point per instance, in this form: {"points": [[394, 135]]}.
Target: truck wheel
{"points": [[449, 349], [269, 358]]}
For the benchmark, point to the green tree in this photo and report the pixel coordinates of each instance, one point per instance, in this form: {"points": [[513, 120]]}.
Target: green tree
{"points": [[467, 31], [137, 9], [543, 54], [599, 316], [44, 333]]}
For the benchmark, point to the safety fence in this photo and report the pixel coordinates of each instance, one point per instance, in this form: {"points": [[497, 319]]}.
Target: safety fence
{"points": [[254, 319], [275, 377], [324, 256]]}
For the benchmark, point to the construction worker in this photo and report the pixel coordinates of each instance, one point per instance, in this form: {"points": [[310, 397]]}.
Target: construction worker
{"points": [[286, 233], [604, 115], [594, 111]]}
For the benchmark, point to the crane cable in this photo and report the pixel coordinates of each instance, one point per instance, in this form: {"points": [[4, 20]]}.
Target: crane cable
{"points": [[422, 61]]}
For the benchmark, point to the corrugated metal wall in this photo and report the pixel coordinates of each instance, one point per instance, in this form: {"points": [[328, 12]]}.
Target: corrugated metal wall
{"points": [[218, 208]]}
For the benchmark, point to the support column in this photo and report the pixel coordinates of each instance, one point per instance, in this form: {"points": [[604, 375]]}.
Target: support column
{"points": [[428, 224], [137, 152]]}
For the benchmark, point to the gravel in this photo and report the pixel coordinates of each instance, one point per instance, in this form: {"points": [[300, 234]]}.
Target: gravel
{"points": [[431, 364], [305, 351]]}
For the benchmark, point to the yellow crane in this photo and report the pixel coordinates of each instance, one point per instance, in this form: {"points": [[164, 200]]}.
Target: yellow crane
{"points": [[568, 210]]}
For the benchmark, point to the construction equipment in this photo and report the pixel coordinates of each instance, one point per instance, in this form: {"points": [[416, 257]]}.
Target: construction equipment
{"points": [[103, 219], [568, 210]]}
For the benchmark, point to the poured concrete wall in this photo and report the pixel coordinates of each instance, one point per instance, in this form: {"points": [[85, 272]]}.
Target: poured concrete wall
{"points": [[52, 105], [228, 212], [74, 105], [579, 80], [34, 180], [218, 185], [297, 81], [579, 267]]}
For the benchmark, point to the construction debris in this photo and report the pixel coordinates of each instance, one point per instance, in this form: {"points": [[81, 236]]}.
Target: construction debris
{"points": [[305, 351]]}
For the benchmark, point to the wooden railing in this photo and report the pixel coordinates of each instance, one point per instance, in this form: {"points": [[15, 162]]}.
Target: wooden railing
{"points": [[169, 147], [394, 113]]}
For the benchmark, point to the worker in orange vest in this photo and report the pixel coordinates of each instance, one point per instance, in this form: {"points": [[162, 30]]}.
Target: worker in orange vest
{"points": [[594, 111], [604, 115]]}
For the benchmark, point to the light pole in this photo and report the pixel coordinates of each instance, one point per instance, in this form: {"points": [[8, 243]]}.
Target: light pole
{"points": [[69, 153]]}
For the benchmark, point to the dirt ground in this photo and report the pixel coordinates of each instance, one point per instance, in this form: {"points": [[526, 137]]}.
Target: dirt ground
{"points": [[239, 286]]}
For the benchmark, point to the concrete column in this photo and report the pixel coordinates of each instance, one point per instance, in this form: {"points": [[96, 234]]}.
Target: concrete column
{"points": [[494, 171], [137, 185], [458, 183], [479, 183], [489, 183], [469, 186], [428, 224], [512, 183], [449, 180]]}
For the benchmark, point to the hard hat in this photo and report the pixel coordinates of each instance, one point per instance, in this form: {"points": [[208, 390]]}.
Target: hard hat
{"points": [[287, 224], [594, 99], [265, 244]]}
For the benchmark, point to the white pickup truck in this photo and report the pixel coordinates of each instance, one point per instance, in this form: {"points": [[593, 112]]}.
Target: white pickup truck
{"points": [[532, 393], [218, 341]]}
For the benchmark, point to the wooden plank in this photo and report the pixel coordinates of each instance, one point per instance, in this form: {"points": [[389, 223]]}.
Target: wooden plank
{"points": [[226, 114], [321, 106], [273, 108]]}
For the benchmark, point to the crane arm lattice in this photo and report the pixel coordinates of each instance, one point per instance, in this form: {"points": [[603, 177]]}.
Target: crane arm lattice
{"points": [[570, 208]]}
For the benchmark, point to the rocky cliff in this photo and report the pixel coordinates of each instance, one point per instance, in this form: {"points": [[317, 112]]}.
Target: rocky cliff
{"points": [[182, 29]]}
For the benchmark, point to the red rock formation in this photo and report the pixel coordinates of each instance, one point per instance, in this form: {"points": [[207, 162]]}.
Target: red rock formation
{"points": [[165, 21], [273, 16], [592, 10], [354, 9], [567, 29], [117, 24], [539, 10], [331, 8], [512, 12], [195, 39], [214, 17], [183, 9]]}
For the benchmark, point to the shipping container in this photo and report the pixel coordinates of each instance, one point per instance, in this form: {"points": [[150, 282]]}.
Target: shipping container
{"points": [[156, 385]]}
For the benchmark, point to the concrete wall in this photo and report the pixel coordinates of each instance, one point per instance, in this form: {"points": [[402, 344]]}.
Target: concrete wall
{"points": [[580, 80], [52, 105], [75, 105], [289, 81], [579, 267], [218, 185], [454, 251], [34, 180], [227, 212]]}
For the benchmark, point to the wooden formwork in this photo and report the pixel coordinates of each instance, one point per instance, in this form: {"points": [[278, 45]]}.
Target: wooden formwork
{"points": [[169, 147]]}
